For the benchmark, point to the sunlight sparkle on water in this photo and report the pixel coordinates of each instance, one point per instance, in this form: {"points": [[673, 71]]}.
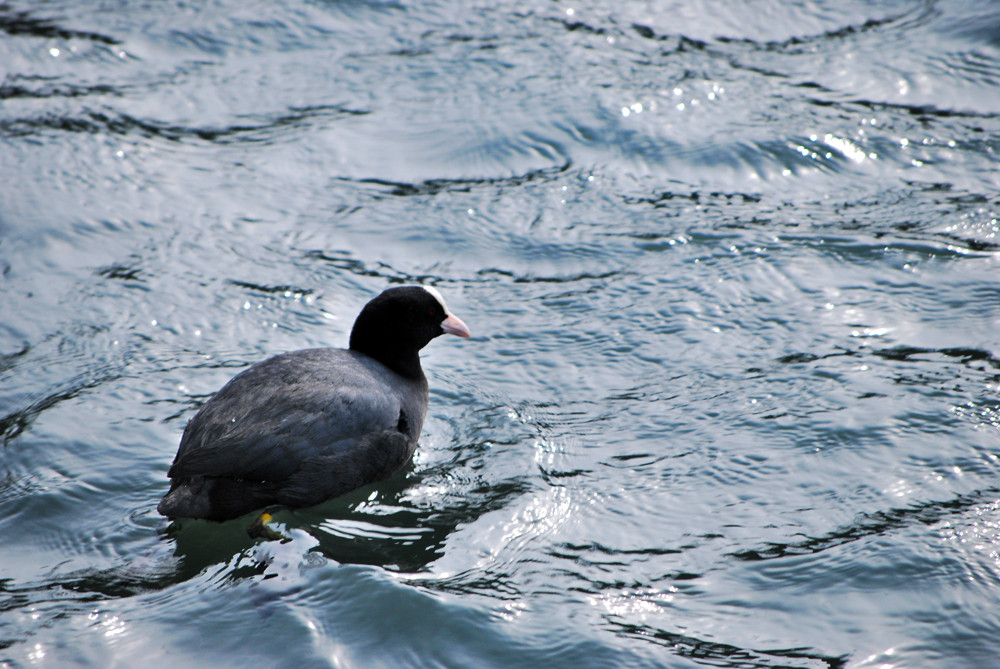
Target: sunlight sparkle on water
{"points": [[37, 653], [846, 147], [631, 601]]}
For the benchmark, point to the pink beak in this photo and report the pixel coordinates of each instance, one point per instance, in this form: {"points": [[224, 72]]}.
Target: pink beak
{"points": [[453, 325]]}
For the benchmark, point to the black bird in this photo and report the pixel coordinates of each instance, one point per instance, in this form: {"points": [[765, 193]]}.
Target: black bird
{"points": [[303, 427]]}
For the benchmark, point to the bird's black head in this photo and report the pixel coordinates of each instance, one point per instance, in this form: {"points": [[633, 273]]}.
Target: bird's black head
{"points": [[394, 326]]}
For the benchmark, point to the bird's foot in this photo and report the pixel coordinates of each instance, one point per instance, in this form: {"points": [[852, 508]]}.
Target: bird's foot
{"points": [[260, 529]]}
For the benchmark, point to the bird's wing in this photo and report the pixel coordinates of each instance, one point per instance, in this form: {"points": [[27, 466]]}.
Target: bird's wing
{"points": [[265, 434]]}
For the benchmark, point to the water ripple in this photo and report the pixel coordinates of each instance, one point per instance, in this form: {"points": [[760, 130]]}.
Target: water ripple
{"points": [[109, 122], [17, 23], [872, 525], [732, 395]]}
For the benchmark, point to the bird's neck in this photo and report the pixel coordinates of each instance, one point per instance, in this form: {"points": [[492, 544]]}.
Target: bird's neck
{"points": [[404, 362]]}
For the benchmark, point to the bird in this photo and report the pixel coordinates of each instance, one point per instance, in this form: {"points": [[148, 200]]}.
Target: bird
{"points": [[306, 426]]}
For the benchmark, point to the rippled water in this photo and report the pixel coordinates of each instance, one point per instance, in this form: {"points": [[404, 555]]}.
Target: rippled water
{"points": [[733, 273]]}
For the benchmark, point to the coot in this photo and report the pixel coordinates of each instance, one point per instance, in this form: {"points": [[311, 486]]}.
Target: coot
{"points": [[306, 426]]}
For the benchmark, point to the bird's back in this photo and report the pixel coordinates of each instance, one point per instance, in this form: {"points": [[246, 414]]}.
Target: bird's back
{"points": [[295, 429]]}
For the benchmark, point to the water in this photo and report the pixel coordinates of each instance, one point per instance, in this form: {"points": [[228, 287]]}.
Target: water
{"points": [[733, 273]]}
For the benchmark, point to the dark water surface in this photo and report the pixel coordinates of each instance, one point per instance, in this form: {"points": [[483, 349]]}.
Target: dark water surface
{"points": [[733, 272]]}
